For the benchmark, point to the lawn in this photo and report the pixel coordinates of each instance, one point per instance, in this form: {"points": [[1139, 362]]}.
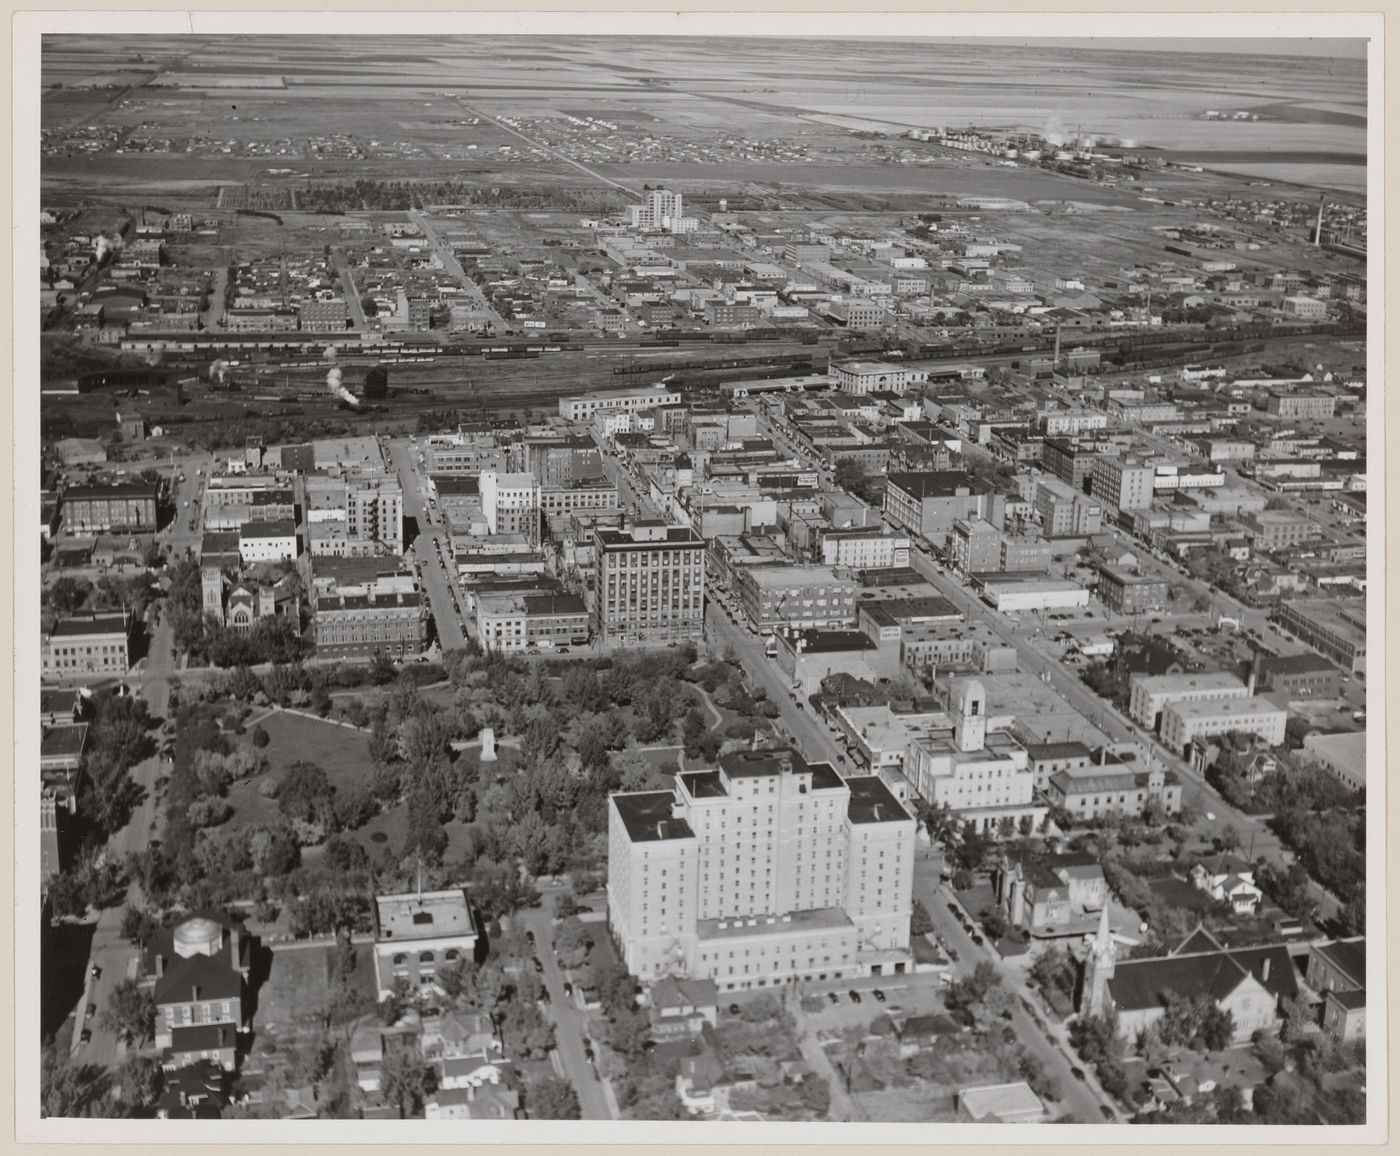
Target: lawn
{"points": [[341, 752]]}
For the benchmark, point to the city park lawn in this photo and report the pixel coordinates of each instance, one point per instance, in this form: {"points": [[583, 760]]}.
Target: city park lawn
{"points": [[339, 751]]}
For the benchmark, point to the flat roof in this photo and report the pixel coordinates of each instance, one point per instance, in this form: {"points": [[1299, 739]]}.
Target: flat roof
{"points": [[1227, 708], [831, 641], [1208, 680], [425, 915], [647, 816], [114, 490], [277, 528], [873, 802], [78, 625], [63, 741]]}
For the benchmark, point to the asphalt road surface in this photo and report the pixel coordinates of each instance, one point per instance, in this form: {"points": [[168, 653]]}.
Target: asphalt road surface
{"points": [[443, 595]]}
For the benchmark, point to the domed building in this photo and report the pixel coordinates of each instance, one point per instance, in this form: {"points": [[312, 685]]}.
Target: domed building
{"points": [[200, 969]]}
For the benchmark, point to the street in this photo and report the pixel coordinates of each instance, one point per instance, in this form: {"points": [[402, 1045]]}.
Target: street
{"points": [[567, 1018], [441, 587], [449, 262]]}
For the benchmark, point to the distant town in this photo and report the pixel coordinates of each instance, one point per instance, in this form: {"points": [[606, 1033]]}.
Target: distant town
{"points": [[558, 644]]}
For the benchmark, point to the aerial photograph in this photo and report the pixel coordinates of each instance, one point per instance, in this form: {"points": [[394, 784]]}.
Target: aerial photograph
{"points": [[492, 485]]}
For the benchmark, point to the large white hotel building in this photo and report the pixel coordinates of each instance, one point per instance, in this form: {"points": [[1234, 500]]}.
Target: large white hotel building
{"points": [[762, 872]]}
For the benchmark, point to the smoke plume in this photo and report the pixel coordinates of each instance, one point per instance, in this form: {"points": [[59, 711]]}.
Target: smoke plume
{"points": [[333, 382], [105, 244]]}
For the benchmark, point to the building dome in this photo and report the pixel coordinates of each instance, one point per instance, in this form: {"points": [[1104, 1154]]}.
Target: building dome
{"points": [[198, 936]]}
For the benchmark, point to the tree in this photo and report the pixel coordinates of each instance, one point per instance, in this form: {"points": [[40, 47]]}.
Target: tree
{"points": [[260, 737], [68, 594], [141, 1081], [130, 1014], [139, 927], [382, 669], [403, 1081], [426, 836], [920, 922], [306, 793], [64, 1088], [552, 1099], [572, 943]]}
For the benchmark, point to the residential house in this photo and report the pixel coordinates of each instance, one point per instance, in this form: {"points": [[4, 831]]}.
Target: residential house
{"points": [[1228, 880]]}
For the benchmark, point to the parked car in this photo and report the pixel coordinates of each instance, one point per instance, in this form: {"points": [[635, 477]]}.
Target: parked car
{"points": [[539, 967], [831, 995], [95, 972], [855, 996], [568, 988], [978, 940], [1077, 1073], [734, 1009], [1106, 1112], [530, 937], [879, 995], [544, 995], [588, 1053], [86, 1037], [91, 1011]]}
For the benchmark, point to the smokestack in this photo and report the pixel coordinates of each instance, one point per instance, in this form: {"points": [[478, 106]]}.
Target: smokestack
{"points": [[1265, 976], [1317, 229]]}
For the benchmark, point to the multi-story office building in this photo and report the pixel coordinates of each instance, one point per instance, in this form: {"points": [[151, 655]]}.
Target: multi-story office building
{"points": [[1124, 593], [1123, 483], [865, 377], [519, 622], [129, 507], [1299, 675], [1070, 462], [927, 504], [374, 512], [1184, 721], [762, 872], [649, 583], [86, 644], [1112, 787], [974, 546], [1150, 694], [1336, 630], [567, 498], [800, 596]]}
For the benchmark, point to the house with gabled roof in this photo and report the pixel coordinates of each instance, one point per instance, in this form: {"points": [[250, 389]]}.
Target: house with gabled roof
{"points": [[1228, 879]]}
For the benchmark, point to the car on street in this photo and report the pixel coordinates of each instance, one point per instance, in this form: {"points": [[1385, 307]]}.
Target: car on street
{"points": [[588, 1053], [879, 995], [1078, 1074], [953, 907], [831, 995], [530, 937], [95, 972], [86, 1037], [855, 997], [1106, 1112], [544, 995], [734, 1009], [90, 1011], [568, 988], [539, 967], [978, 940]]}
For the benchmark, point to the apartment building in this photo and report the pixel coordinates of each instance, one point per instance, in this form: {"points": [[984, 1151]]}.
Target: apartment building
{"points": [[1150, 694], [510, 503], [1125, 593], [359, 610], [86, 644], [799, 596], [374, 512], [1066, 512], [1183, 722], [649, 580], [764, 871]]}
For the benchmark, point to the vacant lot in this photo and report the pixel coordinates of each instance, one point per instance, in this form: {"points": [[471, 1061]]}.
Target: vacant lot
{"points": [[299, 981]]}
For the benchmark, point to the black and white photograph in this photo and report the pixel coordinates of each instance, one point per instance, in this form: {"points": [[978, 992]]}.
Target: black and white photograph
{"points": [[577, 580]]}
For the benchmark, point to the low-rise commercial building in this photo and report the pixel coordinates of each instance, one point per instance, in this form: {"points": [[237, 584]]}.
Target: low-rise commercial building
{"points": [[513, 623], [775, 596], [1334, 629], [1150, 694], [1125, 593], [267, 542], [128, 507]]}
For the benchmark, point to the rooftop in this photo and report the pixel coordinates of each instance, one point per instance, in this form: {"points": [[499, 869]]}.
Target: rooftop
{"points": [[1227, 708], [1348, 955], [82, 625], [114, 490], [279, 528], [872, 802], [647, 816], [63, 741], [424, 915]]}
